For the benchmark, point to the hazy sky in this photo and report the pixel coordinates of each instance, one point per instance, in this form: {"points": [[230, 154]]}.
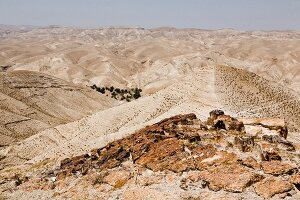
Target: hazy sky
{"points": [[207, 14]]}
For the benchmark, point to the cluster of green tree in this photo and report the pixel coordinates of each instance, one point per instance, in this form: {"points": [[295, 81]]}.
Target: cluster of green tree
{"points": [[119, 94]]}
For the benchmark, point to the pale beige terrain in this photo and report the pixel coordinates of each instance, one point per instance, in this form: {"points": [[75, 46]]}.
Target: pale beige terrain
{"points": [[132, 56], [246, 74], [31, 102]]}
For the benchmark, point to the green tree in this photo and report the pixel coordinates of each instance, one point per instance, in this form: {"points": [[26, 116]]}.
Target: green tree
{"points": [[137, 93], [111, 89]]}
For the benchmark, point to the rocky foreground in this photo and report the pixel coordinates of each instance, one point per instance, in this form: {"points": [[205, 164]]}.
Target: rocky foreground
{"points": [[177, 158]]}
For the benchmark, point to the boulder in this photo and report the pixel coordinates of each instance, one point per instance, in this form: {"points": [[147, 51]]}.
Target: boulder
{"points": [[219, 158], [161, 152], [252, 163], [215, 113], [275, 124], [295, 179], [228, 123], [279, 140], [244, 143], [269, 152], [219, 120], [231, 178], [268, 187], [117, 178], [276, 167]]}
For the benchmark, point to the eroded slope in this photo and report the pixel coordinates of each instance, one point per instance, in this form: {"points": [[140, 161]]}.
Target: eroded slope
{"points": [[32, 101], [247, 94]]}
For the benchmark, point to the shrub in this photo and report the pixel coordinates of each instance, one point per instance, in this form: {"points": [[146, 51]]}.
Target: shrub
{"points": [[94, 86], [137, 93], [111, 89], [102, 90], [117, 90]]}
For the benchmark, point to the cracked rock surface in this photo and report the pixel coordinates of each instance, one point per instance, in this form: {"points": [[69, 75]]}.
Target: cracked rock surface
{"points": [[180, 157]]}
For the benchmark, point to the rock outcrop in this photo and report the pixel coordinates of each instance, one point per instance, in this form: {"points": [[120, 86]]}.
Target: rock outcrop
{"points": [[218, 154]]}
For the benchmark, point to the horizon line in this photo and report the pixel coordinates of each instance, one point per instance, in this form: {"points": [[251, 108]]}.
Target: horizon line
{"points": [[145, 28]]}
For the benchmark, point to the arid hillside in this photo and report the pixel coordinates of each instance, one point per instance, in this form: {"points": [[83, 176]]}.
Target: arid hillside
{"points": [[33, 101], [132, 56], [49, 112]]}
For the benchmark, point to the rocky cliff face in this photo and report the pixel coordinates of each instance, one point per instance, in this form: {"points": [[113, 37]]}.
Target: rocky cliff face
{"points": [[180, 157]]}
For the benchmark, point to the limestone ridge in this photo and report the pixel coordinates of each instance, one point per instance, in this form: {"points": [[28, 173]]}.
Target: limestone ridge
{"points": [[222, 154]]}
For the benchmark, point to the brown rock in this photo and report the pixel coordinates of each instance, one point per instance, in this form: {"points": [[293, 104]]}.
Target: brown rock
{"points": [[63, 173], [94, 154], [219, 120], [252, 163], [220, 158], [271, 186], [180, 162], [79, 159], [197, 123], [295, 179], [178, 119], [228, 123], [72, 165], [231, 178], [279, 140], [142, 145], [283, 131], [277, 168], [143, 193], [271, 123], [65, 162], [269, 152], [244, 143], [215, 113], [109, 164], [194, 176], [159, 152], [117, 178], [180, 143], [211, 137]]}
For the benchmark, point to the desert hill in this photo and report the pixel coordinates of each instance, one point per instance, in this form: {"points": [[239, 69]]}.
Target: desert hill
{"points": [[202, 91], [120, 56], [33, 101], [50, 113]]}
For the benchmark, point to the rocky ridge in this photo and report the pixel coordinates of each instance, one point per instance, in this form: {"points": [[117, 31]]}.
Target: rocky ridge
{"points": [[180, 157]]}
